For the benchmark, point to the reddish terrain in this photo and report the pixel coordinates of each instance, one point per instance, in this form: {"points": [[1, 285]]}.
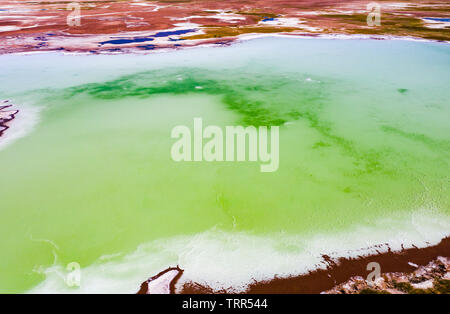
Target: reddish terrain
{"points": [[339, 271], [114, 26]]}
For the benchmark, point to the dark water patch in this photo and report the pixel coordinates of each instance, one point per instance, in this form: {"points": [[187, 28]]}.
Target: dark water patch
{"points": [[437, 19], [147, 47], [222, 42], [170, 33], [42, 44], [126, 41], [121, 41], [114, 50]]}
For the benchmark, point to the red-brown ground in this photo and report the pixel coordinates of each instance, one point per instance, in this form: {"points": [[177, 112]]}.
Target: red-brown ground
{"points": [[340, 271], [42, 25]]}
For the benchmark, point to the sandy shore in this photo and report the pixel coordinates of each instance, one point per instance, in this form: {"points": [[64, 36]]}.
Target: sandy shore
{"points": [[340, 271]]}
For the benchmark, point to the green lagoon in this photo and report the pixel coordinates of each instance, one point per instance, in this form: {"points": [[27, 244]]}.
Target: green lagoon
{"points": [[364, 160]]}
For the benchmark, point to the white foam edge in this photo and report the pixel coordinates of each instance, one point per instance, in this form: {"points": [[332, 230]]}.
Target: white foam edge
{"points": [[224, 259], [21, 125]]}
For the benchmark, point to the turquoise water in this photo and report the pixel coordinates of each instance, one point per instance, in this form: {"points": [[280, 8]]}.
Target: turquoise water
{"points": [[364, 152]]}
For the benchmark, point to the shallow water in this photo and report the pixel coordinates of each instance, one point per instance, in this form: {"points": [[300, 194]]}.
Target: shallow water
{"points": [[364, 145]]}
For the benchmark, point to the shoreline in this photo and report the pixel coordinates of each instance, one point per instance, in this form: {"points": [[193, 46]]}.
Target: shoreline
{"points": [[224, 42], [6, 116], [338, 271]]}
